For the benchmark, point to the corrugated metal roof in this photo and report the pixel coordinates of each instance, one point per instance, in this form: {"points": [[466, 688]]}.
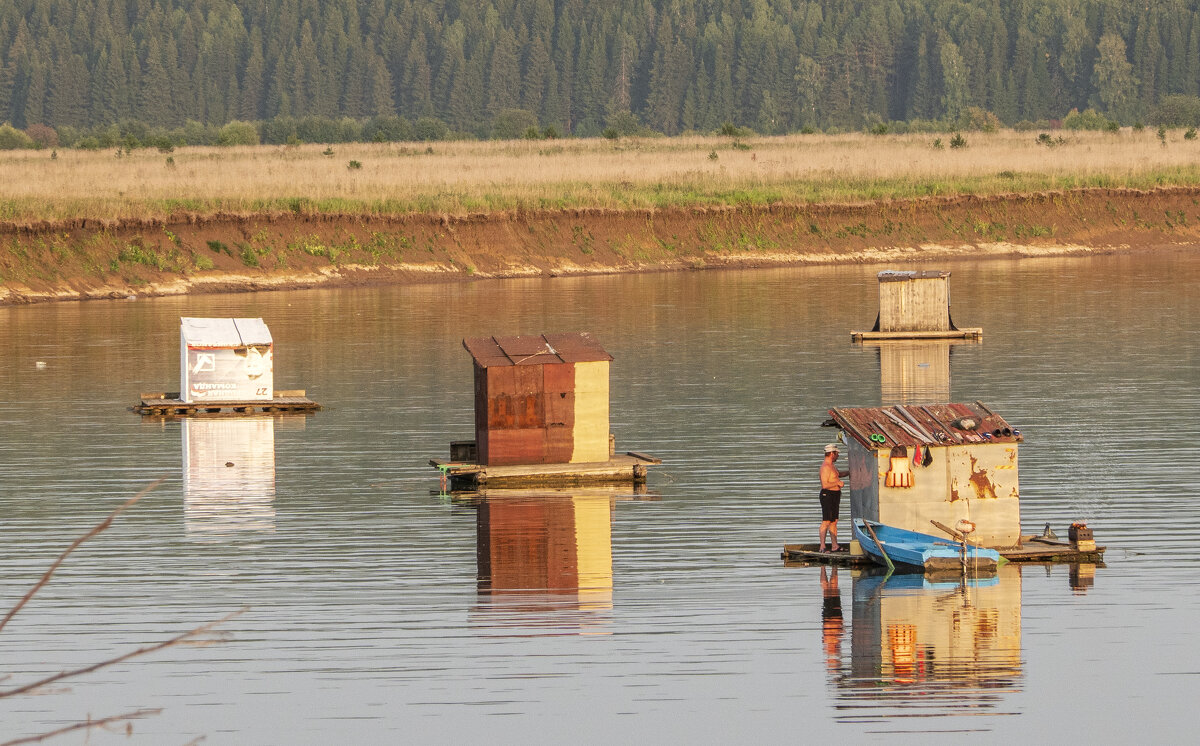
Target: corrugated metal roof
{"points": [[574, 347], [201, 332], [895, 275], [936, 424]]}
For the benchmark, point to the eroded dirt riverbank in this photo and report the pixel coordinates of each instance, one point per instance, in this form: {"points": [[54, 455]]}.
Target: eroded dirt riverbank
{"points": [[84, 259]]}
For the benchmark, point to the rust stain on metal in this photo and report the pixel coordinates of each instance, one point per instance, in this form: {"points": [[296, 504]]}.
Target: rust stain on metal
{"points": [[980, 482]]}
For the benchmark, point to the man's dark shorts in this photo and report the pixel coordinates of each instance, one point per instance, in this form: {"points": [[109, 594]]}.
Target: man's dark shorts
{"points": [[831, 500]]}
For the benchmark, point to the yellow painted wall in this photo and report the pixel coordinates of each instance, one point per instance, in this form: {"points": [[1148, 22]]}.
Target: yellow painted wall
{"points": [[591, 412], [976, 481]]}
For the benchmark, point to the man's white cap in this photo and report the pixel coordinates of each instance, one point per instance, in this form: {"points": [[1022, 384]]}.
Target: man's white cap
{"points": [[832, 448]]}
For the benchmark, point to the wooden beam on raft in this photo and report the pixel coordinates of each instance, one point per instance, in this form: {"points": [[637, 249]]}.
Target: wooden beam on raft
{"points": [[905, 426]]}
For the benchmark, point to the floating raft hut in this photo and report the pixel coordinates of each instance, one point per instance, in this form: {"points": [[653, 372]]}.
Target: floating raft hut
{"points": [[915, 305], [541, 416], [926, 468], [226, 368]]}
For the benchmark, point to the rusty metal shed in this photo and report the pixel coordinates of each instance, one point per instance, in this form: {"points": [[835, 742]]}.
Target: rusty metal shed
{"points": [[540, 399], [911, 465]]}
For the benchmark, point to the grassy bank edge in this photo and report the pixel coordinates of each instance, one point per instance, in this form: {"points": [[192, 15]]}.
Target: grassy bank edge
{"points": [[677, 193]]}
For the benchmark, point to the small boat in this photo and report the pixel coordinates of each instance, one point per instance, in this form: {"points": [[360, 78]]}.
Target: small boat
{"points": [[911, 551]]}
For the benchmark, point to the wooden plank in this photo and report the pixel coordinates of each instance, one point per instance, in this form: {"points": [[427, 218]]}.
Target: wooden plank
{"points": [[617, 469], [164, 406], [1038, 549], [644, 457], [808, 554], [964, 333], [862, 437], [455, 467]]}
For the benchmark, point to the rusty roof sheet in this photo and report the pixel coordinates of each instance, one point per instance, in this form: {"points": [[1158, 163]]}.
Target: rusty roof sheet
{"points": [[929, 424], [896, 275], [539, 349]]}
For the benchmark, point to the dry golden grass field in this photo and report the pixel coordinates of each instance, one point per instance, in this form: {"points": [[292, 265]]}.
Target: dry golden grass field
{"points": [[458, 178], [77, 224]]}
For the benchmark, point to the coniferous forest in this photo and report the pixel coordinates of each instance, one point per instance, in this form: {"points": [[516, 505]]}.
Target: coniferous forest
{"points": [[78, 71]]}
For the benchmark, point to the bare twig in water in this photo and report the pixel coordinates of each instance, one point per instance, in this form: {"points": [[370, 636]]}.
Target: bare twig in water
{"points": [[89, 723], [120, 658], [102, 525]]}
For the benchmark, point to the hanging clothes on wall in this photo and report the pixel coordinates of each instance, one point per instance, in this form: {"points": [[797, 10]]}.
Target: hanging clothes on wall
{"points": [[899, 474]]}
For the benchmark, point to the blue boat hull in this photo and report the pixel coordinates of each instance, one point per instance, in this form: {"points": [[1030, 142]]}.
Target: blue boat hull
{"points": [[916, 552]]}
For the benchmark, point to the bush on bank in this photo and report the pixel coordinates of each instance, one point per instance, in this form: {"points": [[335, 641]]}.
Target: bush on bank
{"points": [[1173, 111]]}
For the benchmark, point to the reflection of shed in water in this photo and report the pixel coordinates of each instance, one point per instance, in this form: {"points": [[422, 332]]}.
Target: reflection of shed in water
{"points": [[942, 647], [546, 541], [229, 474], [914, 371], [541, 416], [915, 305], [910, 465]]}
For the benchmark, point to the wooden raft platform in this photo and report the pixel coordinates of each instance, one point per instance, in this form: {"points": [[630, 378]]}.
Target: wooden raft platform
{"points": [[162, 404], [807, 554], [631, 467], [975, 332], [1031, 549], [1038, 549]]}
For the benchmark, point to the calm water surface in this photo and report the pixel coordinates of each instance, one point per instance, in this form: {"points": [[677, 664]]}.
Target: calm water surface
{"points": [[380, 611]]}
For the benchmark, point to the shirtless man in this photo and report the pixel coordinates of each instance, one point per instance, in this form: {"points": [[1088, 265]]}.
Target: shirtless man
{"points": [[831, 497]]}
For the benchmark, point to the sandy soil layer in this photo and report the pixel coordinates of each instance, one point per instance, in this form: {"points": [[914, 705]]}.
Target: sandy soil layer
{"points": [[221, 253]]}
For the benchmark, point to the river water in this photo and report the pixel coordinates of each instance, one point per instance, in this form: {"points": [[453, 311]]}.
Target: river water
{"points": [[370, 616]]}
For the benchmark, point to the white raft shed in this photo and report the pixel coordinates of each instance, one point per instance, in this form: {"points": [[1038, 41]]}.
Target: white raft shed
{"points": [[226, 367]]}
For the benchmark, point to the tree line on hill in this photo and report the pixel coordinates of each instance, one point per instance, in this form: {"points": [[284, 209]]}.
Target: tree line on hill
{"points": [[232, 71]]}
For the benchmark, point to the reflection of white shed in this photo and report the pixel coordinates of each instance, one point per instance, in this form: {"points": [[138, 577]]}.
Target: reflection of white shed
{"points": [[913, 465], [229, 474], [225, 360]]}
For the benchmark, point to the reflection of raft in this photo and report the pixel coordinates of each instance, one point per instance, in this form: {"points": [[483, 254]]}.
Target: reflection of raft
{"points": [[911, 550]]}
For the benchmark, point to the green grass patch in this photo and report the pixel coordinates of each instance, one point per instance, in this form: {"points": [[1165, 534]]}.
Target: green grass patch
{"points": [[138, 253]]}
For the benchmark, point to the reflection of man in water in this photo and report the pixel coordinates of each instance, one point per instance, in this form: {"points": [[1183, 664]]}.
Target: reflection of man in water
{"points": [[831, 497], [831, 619]]}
